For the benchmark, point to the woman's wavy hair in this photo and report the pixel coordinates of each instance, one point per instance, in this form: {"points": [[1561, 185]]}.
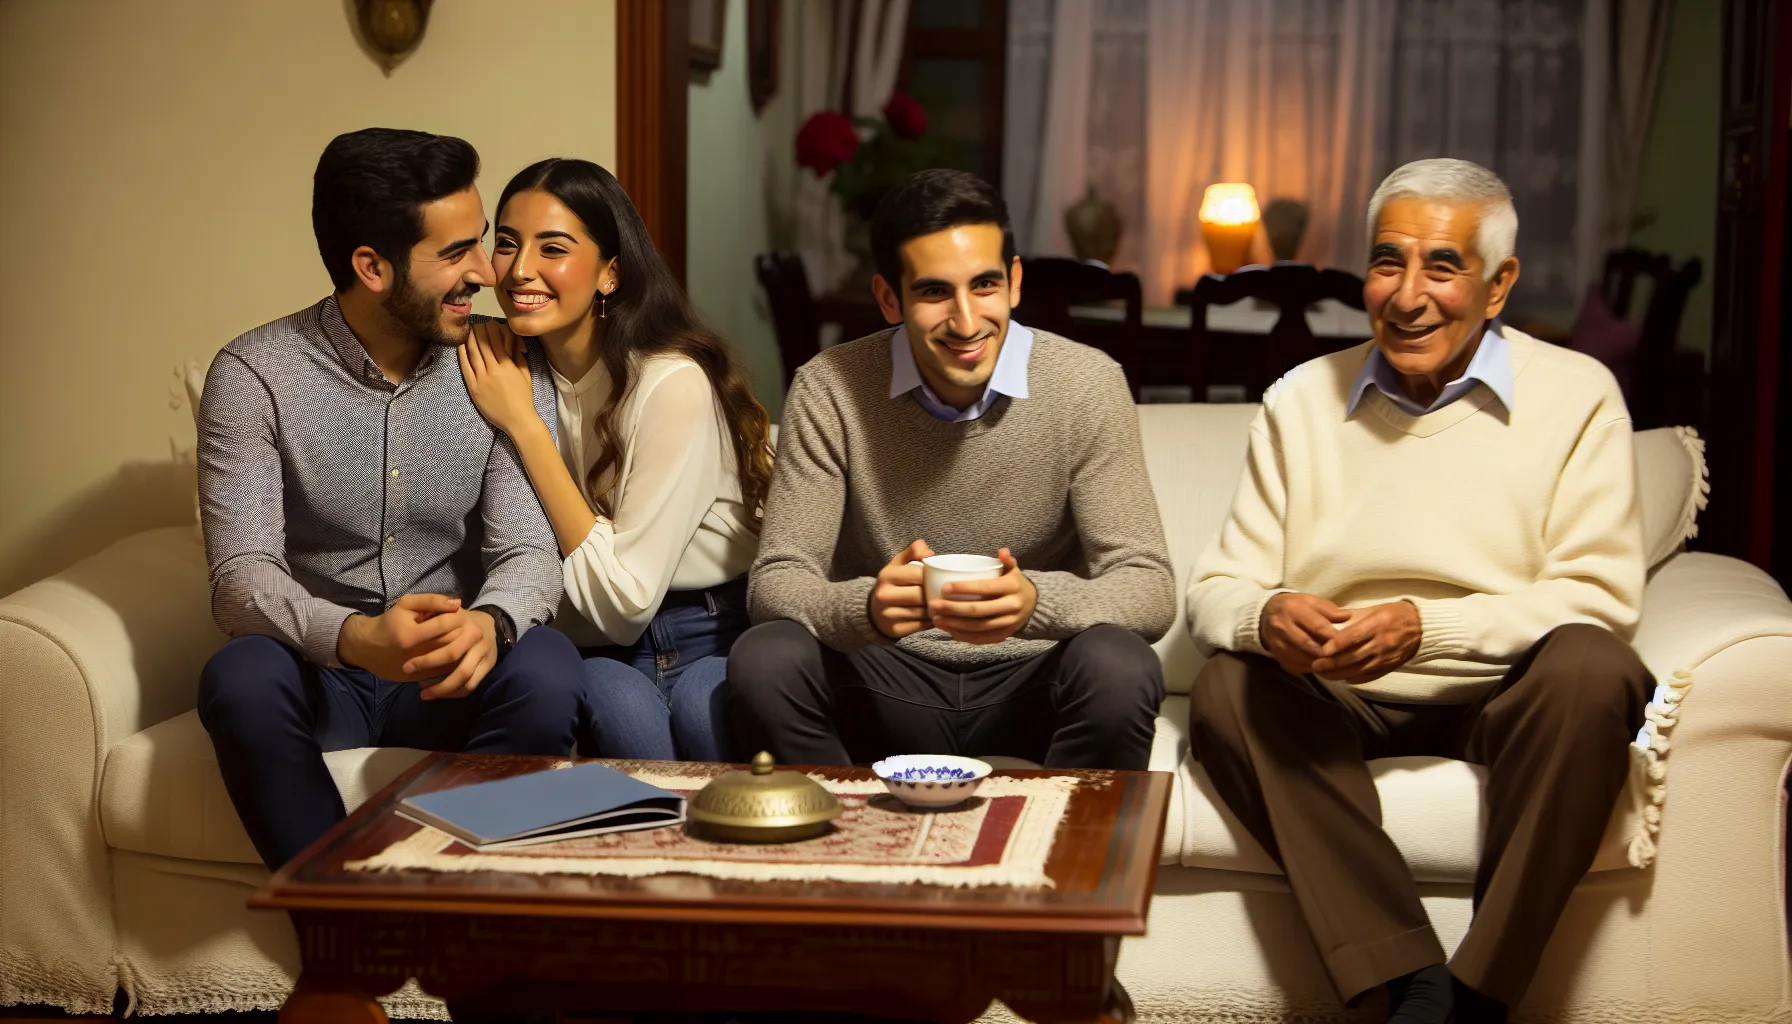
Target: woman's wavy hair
{"points": [[648, 314]]}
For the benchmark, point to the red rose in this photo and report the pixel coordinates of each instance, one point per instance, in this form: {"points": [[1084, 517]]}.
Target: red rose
{"points": [[906, 117], [826, 141]]}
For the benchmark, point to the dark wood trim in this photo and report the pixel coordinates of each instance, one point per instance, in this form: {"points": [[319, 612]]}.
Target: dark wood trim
{"points": [[706, 55], [1751, 239], [653, 117], [1765, 400], [987, 45]]}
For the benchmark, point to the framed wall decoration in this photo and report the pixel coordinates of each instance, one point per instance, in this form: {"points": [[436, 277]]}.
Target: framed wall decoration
{"points": [[707, 20], [762, 50]]}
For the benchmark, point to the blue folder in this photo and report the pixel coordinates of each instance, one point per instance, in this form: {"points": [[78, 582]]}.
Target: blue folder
{"points": [[541, 807]]}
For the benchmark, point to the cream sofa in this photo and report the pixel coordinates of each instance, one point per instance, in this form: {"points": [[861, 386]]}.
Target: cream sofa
{"points": [[123, 867]]}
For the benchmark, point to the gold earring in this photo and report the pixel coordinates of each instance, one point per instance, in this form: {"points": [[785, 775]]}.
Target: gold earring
{"points": [[603, 307]]}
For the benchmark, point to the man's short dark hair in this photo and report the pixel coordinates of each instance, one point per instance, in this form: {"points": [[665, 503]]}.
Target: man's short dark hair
{"points": [[930, 201], [370, 188]]}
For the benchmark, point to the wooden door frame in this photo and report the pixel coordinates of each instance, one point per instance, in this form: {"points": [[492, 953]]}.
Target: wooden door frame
{"points": [[653, 74], [1751, 244]]}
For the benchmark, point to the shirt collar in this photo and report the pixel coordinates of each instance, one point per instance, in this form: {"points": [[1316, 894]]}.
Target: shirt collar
{"points": [[1491, 365], [353, 355], [1008, 378]]}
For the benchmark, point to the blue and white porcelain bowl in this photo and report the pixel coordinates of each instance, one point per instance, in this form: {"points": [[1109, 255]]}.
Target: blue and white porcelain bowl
{"points": [[931, 780]]}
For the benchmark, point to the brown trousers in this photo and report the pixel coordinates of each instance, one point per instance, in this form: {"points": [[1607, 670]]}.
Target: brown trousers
{"points": [[1289, 755]]}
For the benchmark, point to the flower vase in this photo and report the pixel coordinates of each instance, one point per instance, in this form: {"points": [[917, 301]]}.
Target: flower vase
{"points": [[1094, 228]]}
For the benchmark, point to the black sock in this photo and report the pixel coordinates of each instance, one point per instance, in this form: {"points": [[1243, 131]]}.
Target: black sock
{"points": [[1422, 997], [1474, 1008]]}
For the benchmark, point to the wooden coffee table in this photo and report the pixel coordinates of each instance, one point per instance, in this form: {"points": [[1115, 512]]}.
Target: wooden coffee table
{"points": [[689, 942]]}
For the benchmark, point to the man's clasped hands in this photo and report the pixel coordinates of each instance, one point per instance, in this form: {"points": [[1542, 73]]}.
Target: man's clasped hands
{"points": [[1305, 633], [423, 637]]}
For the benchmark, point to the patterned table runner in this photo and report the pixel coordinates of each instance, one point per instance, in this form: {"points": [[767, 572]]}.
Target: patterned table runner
{"points": [[1001, 836]]}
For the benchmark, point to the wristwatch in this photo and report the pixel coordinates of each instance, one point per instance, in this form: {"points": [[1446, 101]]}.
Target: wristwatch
{"points": [[502, 626]]}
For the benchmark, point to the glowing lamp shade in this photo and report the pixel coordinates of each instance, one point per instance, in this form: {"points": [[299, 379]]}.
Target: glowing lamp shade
{"points": [[1229, 217]]}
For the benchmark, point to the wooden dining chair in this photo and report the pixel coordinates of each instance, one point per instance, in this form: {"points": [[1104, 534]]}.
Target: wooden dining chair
{"points": [[1256, 362], [786, 286], [1666, 386], [1050, 285]]}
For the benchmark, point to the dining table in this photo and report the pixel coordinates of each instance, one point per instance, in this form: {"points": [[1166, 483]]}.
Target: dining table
{"points": [[1157, 357], [1159, 363]]}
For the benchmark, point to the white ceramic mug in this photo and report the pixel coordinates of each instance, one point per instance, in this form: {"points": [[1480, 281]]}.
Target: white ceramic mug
{"points": [[940, 570]]}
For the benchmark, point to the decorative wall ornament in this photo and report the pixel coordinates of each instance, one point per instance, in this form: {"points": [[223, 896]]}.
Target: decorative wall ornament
{"points": [[762, 51], [708, 27], [391, 30]]}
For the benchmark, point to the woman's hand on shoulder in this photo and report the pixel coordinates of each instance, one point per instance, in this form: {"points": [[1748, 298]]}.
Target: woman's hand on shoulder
{"points": [[497, 375]]}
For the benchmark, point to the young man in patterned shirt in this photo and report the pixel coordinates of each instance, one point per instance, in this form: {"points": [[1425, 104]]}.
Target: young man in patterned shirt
{"points": [[375, 549]]}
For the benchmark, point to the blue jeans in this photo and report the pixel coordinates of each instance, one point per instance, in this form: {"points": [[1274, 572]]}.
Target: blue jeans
{"points": [[662, 697], [272, 715]]}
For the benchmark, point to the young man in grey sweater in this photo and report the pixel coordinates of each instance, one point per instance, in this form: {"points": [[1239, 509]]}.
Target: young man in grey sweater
{"points": [[959, 431]]}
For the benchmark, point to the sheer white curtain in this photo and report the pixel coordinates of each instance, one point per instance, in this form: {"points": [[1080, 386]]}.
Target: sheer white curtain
{"points": [[1313, 100], [1084, 63], [1624, 44], [863, 37], [1277, 93], [1500, 83]]}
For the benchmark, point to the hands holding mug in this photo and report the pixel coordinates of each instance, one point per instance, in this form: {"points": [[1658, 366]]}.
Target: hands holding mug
{"points": [[973, 598]]}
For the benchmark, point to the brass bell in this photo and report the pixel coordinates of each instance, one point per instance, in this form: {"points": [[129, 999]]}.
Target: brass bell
{"points": [[762, 805]]}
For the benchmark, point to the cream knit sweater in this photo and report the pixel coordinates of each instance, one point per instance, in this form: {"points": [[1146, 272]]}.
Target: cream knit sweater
{"points": [[1498, 525]]}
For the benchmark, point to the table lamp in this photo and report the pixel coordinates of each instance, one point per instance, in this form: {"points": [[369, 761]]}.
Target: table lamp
{"points": [[1229, 219]]}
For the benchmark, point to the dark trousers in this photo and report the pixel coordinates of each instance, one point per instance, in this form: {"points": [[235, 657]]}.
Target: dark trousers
{"points": [[1090, 702], [1288, 754], [272, 714]]}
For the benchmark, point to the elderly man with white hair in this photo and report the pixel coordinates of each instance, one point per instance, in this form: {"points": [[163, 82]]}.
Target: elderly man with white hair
{"points": [[1435, 549]]}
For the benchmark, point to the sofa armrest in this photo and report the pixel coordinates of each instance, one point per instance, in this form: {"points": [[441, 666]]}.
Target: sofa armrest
{"points": [[1717, 632], [88, 657], [1698, 604], [1715, 622]]}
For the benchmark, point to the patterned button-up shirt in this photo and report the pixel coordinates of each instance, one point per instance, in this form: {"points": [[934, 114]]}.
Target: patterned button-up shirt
{"points": [[326, 489]]}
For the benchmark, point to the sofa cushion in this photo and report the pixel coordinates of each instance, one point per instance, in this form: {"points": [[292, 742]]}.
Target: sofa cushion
{"points": [[1430, 806], [1670, 477], [162, 794], [1195, 455]]}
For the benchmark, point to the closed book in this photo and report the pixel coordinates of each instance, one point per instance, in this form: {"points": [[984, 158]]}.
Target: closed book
{"points": [[541, 807]]}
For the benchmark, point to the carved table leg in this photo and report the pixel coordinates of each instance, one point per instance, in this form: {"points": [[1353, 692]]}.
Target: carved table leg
{"points": [[313, 1002], [1119, 1005]]}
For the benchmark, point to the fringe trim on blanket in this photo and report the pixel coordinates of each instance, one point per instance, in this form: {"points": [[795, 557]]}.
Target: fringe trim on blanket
{"points": [[1649, 761], [1649, 752], [25, 980], [260, 990], [1696, 499], [1236, 1005]]}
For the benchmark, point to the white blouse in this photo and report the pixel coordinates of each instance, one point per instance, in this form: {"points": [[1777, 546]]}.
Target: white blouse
{"points": [[680, 521]]}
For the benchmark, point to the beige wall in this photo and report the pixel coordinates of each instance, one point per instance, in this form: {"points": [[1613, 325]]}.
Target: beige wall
{"points": [[742, 166], [155, 165]]}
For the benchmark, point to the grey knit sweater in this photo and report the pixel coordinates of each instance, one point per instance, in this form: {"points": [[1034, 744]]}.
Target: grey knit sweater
{"points": [[1058, 477]]}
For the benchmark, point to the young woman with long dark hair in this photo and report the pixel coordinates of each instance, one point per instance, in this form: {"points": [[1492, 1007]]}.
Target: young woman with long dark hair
{"points": [[655, 483]]}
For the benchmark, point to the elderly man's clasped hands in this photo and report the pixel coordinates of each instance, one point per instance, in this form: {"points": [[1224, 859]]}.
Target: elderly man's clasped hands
{"points": [[1306, 633]]}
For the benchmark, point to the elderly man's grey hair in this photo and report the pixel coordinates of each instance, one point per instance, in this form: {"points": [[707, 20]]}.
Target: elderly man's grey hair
{"points": [[1457, 181]]}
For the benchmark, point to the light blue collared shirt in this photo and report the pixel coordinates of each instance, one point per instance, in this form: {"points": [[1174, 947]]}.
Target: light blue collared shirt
{"points": [[1491, 365], [1008, 378]]}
